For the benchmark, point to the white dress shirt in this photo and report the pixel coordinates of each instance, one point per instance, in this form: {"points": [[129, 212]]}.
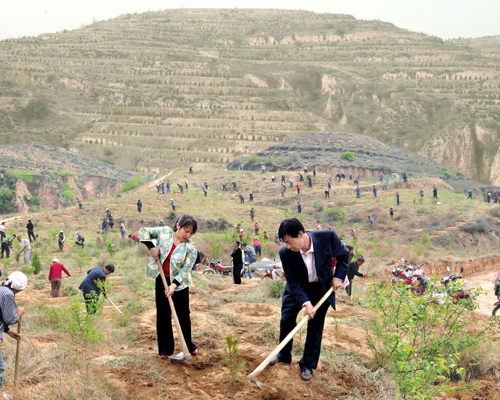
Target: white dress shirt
{"points": [[308, 257]]}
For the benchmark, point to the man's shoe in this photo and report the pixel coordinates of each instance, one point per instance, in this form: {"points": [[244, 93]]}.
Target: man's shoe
{"points": [[274, 361], [306, 374]]}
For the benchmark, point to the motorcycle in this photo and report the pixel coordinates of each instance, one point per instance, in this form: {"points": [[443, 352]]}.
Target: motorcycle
{"points": [[218, 268], [244, 270], [274, 274], [455, 286], [496, 287], [410, 275]]}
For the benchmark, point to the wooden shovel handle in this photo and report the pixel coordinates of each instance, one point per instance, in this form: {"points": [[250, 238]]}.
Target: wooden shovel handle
{"points": [[172, 309], [18, 354], [289, 337]]}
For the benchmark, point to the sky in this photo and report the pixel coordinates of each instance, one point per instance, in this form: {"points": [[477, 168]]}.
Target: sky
{"points": [[444, 18]]}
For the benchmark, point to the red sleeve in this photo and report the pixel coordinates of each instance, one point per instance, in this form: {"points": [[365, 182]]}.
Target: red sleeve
{"points": [[65, 270]]}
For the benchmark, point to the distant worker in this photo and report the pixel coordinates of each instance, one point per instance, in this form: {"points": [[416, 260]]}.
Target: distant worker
{"points": [[205, 191], [139, 205], [283, 190], [435, 193], [354, 271], [168, 186], [186, 183], [190, 170], [327, 193], [391, 214], [55, 277], [134, 238], [80, 204], [25, 248], [108, 214], [224, 186], [299, 207], [241, 235], [60, 240], [374, 191], [80, 240], [263, 169], [242, 199], [111, 222], [273, 179], [318, 228], [161, 223], [250, 197], [405, 179], [258, 247], [314, 171], [92, 285], [252, 214], [104, 226], [488, 197], [470, 194], [310, 181], [291, 182], [421, 192], [172, 203], [384, 185], [298, 188], [358, 192], [372, 221], [251, 253], [397, 199], [256, 227], [122, 229], [235, 186], [2, 231], [30, 228], [162, 188], [305, 169], [282, 178]]}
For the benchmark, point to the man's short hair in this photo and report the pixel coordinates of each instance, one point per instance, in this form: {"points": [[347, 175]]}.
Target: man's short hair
{"points": [[244, 244], [110, 268], [361, 259], [290, 226]]}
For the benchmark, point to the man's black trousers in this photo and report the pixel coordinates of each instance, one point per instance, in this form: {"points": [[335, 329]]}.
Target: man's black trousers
{"points": [[289, 311], [166, 344]]}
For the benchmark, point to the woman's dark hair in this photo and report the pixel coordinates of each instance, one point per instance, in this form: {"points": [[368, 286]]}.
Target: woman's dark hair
{"points": [[237, 242], [110, 267], [186, 220], [290, 226]]}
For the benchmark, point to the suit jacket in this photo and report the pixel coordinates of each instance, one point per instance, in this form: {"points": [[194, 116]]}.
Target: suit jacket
{"points": [[327, 246]]}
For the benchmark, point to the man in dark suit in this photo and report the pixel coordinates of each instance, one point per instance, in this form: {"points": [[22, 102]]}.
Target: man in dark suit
{"points": [[307, 260]]}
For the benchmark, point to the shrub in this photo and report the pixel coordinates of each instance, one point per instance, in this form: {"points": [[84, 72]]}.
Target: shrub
{"points": [[336, 214], [132, 184], [23, 175], [110, 248], [269, 161], [33, 201], [420, 343], [275, 288], [27, 269], [5, 199], [477, 226], [253, 160], [66, 173], [347, 155], [35, 262]]}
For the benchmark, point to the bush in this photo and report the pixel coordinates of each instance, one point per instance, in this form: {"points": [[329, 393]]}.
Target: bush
{"points": [[419, 342], [477, 226], [269, 161], [35, 262], [5, 199], [336, 214], [132, 184], [347, 155], [23, 175], [275, 288], [252, 160]]}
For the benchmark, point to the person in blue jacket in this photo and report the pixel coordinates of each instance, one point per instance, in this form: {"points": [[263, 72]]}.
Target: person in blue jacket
{"points": [[307, 260], [91, 289]]}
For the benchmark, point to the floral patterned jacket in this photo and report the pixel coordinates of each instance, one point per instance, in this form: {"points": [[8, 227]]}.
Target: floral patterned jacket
{"points": [[181, 261]]}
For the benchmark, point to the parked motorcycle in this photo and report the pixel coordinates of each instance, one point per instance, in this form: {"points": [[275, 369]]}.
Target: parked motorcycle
{"points": [[496, 287], [455, 286], [218, 268], [413, 276], [244, 270], [274, 274]]}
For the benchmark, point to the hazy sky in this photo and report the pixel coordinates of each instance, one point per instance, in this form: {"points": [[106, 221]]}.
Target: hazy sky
{"points": [[443, 18]]}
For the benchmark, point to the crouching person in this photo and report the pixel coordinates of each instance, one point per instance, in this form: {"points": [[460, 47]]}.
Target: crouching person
{"points": [[92, 285], [11, 314]]}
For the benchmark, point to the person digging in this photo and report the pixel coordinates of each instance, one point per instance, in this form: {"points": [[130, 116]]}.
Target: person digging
{"points": [[55, 277], [92, 285], [354, 271], [11, 314]]}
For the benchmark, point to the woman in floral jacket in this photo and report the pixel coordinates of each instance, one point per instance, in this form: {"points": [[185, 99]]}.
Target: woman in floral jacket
{"points": [[177, 255]]}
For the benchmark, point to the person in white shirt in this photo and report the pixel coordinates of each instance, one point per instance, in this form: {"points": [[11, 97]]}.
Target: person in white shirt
{"points": [[308, 260], [26, 249], [2, 231]]}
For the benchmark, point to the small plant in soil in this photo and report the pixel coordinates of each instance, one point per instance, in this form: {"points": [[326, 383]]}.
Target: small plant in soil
{"points": [[231, 352]]}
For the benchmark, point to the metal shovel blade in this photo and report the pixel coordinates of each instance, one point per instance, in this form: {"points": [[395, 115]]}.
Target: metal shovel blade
{"points": [[181, 356]]}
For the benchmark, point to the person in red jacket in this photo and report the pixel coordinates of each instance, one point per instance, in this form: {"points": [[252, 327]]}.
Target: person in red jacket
{"points": [[298, 188], [55, 277]]}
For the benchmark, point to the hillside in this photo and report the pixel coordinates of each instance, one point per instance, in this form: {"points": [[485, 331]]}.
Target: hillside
{"points": [[37, 177], [123, 364], [371, 157], [202, 87]]}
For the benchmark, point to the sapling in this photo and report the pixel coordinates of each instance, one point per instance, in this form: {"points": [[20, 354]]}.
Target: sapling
{"points": [[231, 352]]}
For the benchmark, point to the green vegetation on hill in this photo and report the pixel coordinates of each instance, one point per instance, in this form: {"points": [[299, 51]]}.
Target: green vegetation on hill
{"points": [[202, 87]]}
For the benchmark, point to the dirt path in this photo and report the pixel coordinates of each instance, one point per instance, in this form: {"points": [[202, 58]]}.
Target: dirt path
{"points": [[487, 300]]}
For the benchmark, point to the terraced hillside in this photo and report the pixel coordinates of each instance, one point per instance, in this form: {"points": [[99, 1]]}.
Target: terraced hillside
{"points": [[203, 87]]}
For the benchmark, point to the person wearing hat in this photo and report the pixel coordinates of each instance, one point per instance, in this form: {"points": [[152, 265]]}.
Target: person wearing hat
{"points": [[161, 223], [353, 271], [108, 214], [55, 277], [318, 228], [80, 240], [11, 314], [60, 239], [92, 285], [172, 203], [122, 229], [241, 234]]}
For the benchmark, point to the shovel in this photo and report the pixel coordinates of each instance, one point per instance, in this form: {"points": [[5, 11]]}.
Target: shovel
{"points": [[18, 354], [117, 309], [184, 354], [289, 337]]}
